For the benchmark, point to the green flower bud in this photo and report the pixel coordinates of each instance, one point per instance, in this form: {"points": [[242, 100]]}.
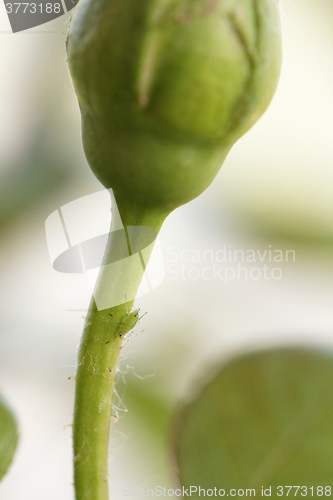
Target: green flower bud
{"points": [[166, 87]]}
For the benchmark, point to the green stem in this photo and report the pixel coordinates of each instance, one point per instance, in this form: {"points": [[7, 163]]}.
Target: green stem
{"points": [[95, 376]]}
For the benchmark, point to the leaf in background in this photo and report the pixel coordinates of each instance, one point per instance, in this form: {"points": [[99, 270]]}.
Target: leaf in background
{"points": [[8, 438], [266, 419], [30, 180]]}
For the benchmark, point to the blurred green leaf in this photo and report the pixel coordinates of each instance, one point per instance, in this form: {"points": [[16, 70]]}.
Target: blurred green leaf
{"points": [[152, 411], [41, 169], [8, 438], [265, 420], [148, 418]]}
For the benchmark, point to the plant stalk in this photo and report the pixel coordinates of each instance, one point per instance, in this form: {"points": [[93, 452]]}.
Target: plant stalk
{"points": [[95, 376]]}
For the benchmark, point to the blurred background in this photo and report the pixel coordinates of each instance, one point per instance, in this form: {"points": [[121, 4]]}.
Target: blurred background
{"points": [[274, 193]]}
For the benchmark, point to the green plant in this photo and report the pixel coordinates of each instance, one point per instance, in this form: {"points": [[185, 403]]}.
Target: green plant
{"points": [[165, 89], [8, 437]]}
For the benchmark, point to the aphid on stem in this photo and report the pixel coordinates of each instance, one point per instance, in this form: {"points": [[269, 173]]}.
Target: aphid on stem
{"points": [[128, 323]]}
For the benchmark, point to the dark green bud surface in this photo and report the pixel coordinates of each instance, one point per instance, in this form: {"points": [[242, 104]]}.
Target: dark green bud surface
{"points": [[166, 87]]}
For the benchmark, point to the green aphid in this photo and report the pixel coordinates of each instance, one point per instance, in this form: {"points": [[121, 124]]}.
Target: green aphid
{"points": [[128, 323]]}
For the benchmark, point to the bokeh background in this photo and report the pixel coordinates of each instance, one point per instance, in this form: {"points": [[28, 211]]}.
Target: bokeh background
{"points": [[275, 188]]}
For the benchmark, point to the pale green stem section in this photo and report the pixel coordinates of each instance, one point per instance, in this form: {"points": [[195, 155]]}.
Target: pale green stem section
{"points": [[95, 377]]}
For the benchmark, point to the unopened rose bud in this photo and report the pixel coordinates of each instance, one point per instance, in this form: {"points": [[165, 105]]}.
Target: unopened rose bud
{"points": [[166, 87]]}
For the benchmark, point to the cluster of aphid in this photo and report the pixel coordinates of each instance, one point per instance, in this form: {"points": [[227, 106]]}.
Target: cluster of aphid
{"points": [[126, 324]]}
